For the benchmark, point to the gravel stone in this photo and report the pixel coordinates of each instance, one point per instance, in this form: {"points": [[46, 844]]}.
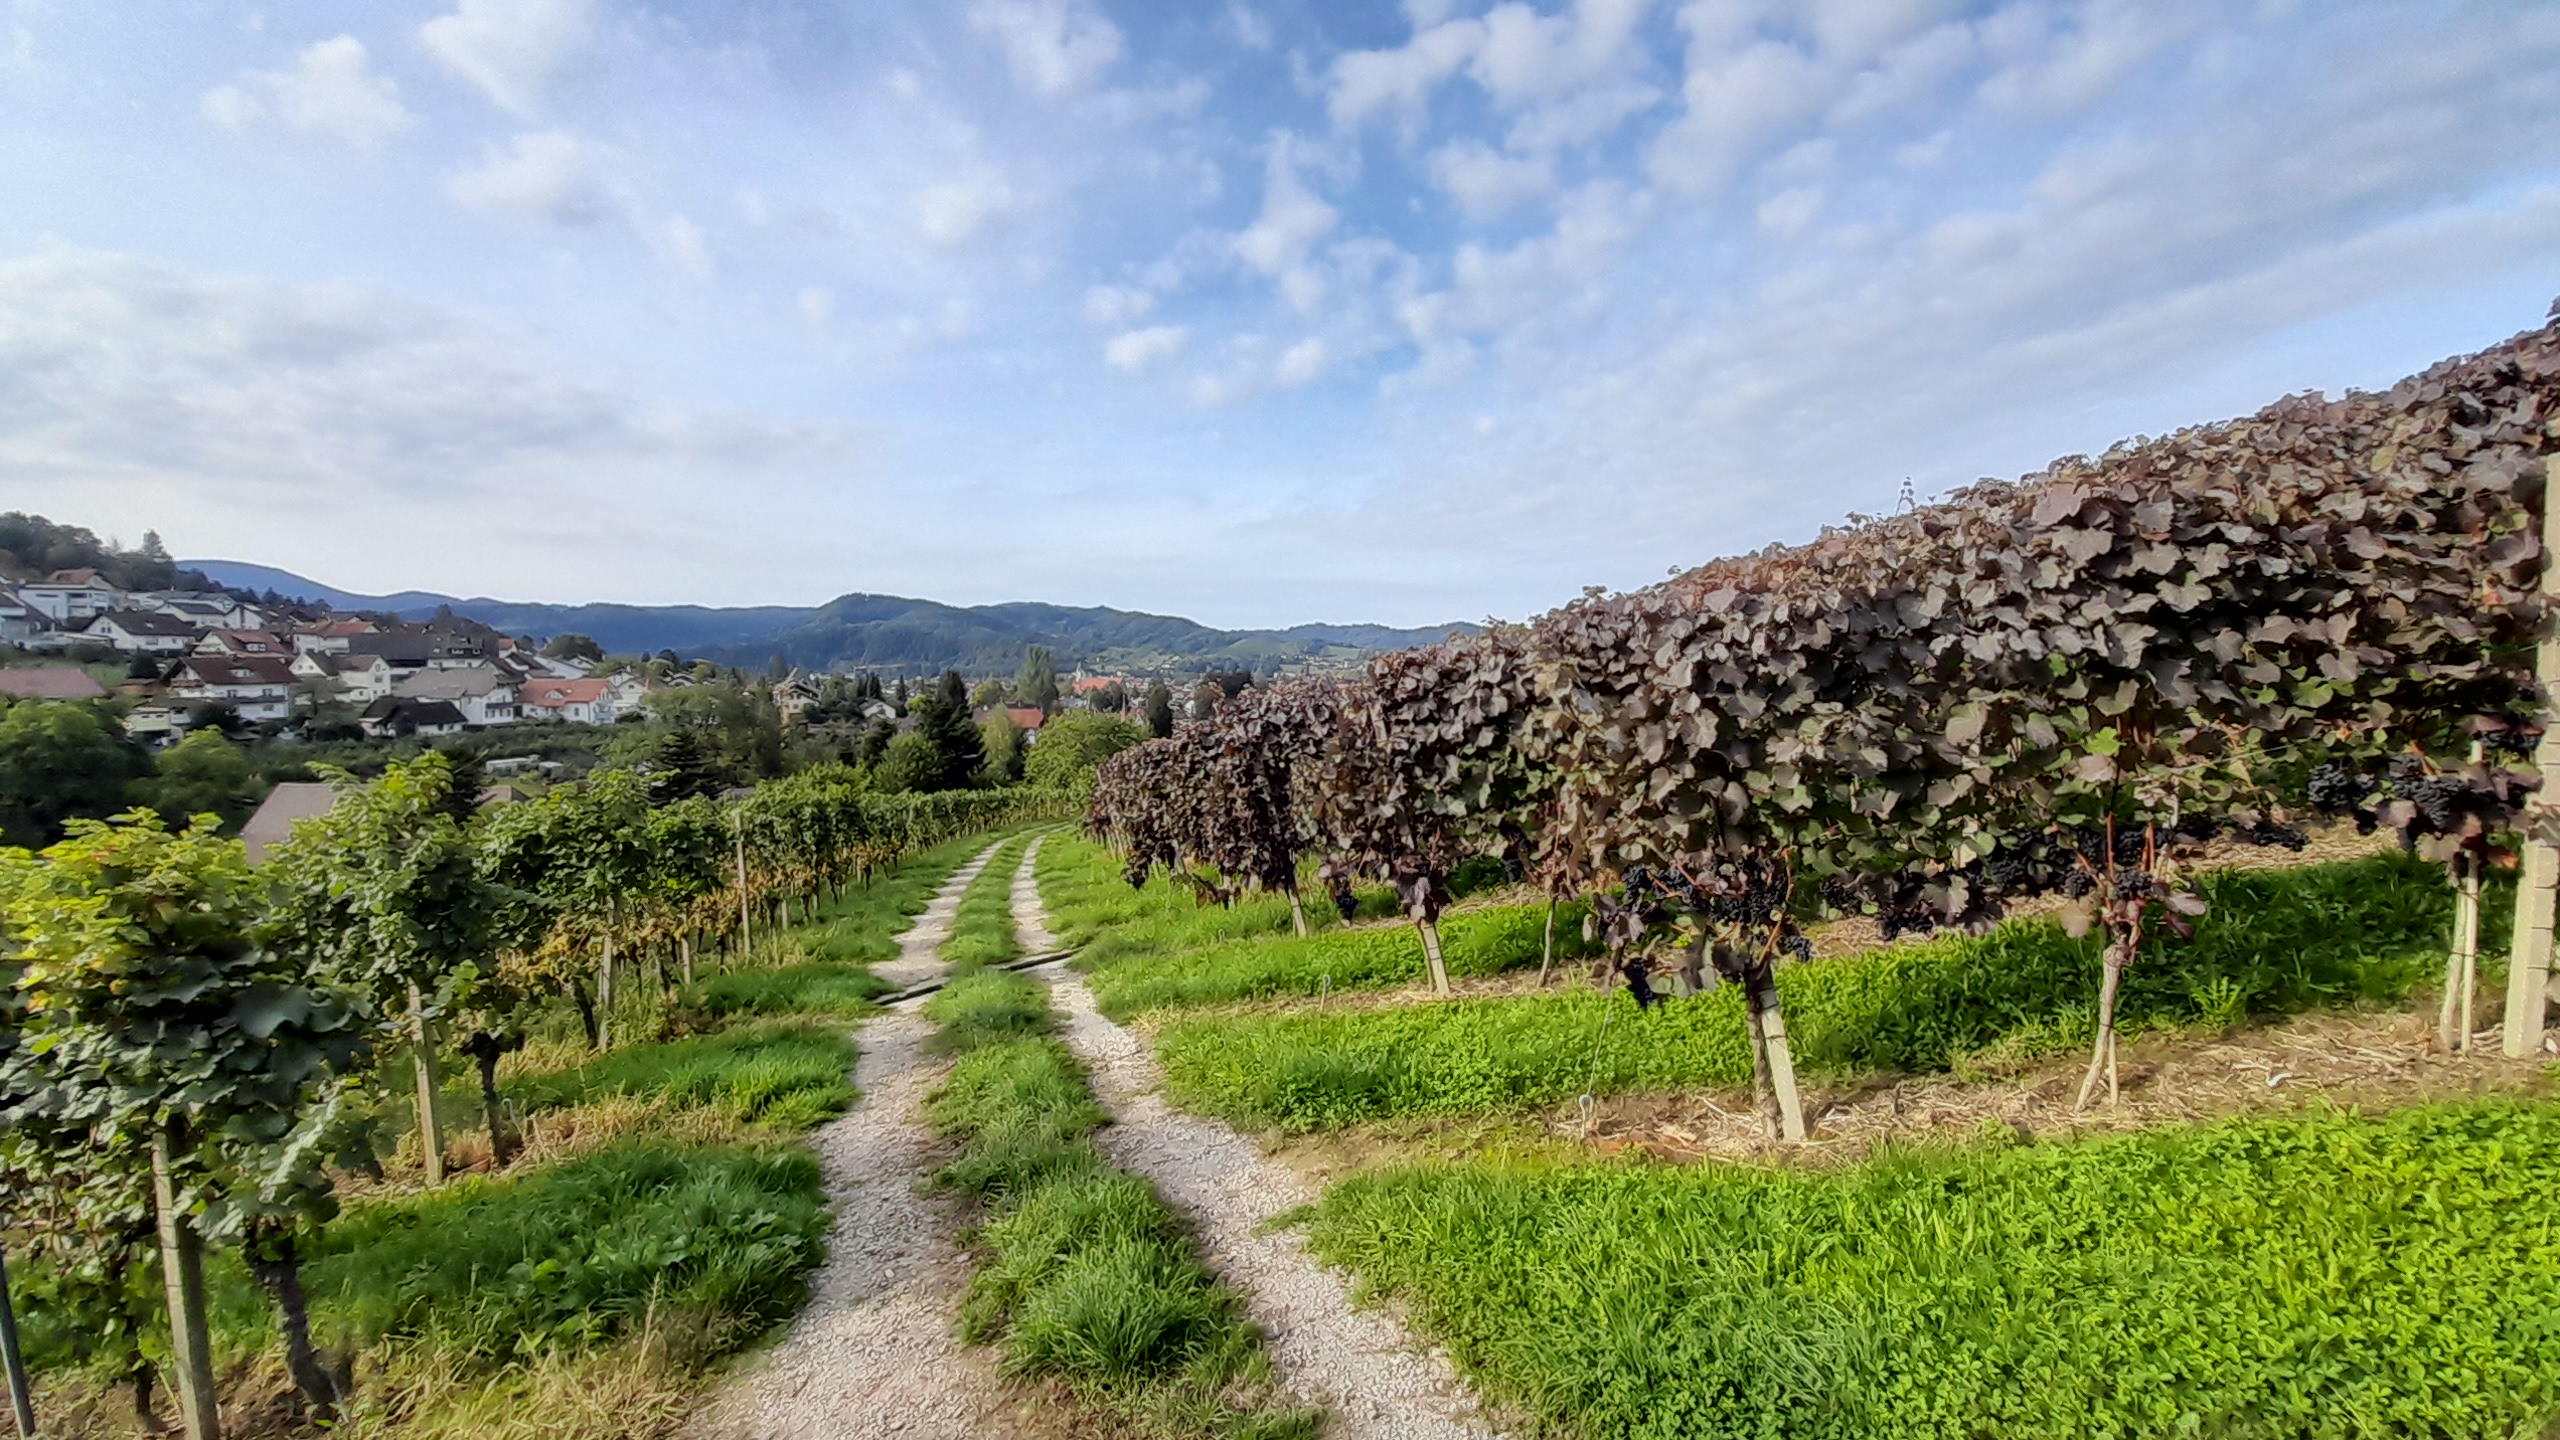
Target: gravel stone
{"points": [[1359, 1364], [876, 1350]]}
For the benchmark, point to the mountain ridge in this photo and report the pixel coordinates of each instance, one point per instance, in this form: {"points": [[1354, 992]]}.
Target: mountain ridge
{"points": [[881, 632]]}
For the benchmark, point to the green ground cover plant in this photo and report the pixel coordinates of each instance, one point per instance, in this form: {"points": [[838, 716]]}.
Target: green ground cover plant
{"points": [[1092, 908], [1475, 942], [1085, 1276], [786, 1073], [817, 987], [982, 930], [2275, 942], [2324, 1275]]}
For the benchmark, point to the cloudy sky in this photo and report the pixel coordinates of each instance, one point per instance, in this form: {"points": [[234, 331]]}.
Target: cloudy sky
{"points": [[1254, 310]]}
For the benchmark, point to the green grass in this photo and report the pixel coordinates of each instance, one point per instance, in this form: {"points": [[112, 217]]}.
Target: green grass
{"points": [[1090, 907], [1085, 1276], [1473, 942], [578, 1252], [780, 1073], [982, 930], [2275, 942], [2312, 1276], [863, 927], [817, 988]]}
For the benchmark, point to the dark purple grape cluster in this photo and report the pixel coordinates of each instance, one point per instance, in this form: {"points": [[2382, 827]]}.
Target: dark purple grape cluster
{"points": [[2270, 835], [1798, 946], [1345, 901], [2334, 789]]}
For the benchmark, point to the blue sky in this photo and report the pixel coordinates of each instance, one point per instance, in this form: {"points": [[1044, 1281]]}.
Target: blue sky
{"points": [[1254, 310]]}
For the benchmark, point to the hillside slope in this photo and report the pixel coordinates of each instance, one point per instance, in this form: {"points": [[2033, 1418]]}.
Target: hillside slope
{"points": [[881, 632]]}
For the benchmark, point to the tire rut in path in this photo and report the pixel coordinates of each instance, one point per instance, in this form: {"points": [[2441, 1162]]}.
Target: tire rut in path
{"points": [[875, 1352], [1360, 1364]]}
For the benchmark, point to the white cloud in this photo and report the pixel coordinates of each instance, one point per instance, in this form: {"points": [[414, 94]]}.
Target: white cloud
{"points": [[1293, 217], [328, 91], [508, 48], [950, 213], [817, 304], [1789, 212], [1737, 102], [1368, 81], [1054, 46], [1135, 350], [1486, 182], [546, 176], [1527, 56], [1301, 362], [1251, 30], [1116, 304], [684, 245]]}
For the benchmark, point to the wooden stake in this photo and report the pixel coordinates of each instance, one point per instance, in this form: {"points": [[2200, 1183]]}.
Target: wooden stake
{"points": [[746, 932], [1547, 957], [604, 994], [2529, 976], [430, 1116], [1782, 1068], [182, 1271], [1431, 955], [684, 950], [1297, 914]]}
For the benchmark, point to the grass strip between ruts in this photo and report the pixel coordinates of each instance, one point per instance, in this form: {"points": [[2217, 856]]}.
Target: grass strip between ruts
{"points": [[1085, 1276]]}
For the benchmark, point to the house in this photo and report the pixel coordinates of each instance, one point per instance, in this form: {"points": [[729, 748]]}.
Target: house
{"points": [[425, 647], [631, 691], [260, 687], [20, 621], [1027, 718], [70, 596], [579, 702], [158, 726], [356, 679], [145, 632], [330, 637], [244, 642], [206, 609], [484, 694], [794, 693], [51, 682], [290, 801], [395, 715]]}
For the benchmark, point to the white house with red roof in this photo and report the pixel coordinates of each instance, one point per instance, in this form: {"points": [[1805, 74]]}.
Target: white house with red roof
{"points": [[577, 702]]}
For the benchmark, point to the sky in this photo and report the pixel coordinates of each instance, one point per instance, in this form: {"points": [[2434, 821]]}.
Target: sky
{"points": [[1256, 311]]}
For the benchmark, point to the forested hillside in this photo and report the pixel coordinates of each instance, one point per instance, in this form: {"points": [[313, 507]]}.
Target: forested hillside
{"points": [[884, 632]]}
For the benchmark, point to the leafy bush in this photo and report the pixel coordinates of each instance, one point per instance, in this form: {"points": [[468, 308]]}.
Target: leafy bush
{"points": [[576, 1253], [2324, 1275], [786, 1075], [2287, 940], [1474, 942]]}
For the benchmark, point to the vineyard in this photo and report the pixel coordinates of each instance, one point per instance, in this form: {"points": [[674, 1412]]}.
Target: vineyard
{"points": [[233, 1163], [2069, 959], [2054, 747]]}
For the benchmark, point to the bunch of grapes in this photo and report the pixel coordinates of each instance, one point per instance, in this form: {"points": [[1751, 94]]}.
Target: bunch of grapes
{"points": [[2335, 789], [1343, 900], [1797, 946], [2271, 835]]}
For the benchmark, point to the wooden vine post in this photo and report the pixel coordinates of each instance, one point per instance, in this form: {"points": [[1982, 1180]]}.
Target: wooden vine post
{"points": [[746, 931], [422, 1037], [182, 1272], [2462, 967], [2529, 973]]}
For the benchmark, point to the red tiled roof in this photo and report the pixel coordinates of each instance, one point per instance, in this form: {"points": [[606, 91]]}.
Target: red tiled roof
{"points": [[50, 682], [551, 694], [1026, 717]]}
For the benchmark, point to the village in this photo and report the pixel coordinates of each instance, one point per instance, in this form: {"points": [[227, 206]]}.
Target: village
{"points": [[198, 657]]}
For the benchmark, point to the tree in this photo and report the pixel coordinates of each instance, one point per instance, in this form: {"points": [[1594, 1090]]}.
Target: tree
{"points": [[1004, 746], [204, 774], [60, 761], [942, 718], [683, 769], [1073, 745], [1112, 698], [1037, 684], [153, 1015], [990, 692], [874, 744], [1159, 709], [909, 764], [143, 667], [573, 646]]}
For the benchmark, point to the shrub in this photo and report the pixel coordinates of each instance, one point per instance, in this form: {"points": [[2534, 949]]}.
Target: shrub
{"points": [[2323, 1275]]}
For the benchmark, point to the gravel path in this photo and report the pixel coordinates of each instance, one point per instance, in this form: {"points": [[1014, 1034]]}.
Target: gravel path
{"points": [[1360, 1364], [874, 1353]]}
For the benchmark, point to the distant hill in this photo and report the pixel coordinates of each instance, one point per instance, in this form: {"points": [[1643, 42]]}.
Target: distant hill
{"points": [[881, 632]]}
